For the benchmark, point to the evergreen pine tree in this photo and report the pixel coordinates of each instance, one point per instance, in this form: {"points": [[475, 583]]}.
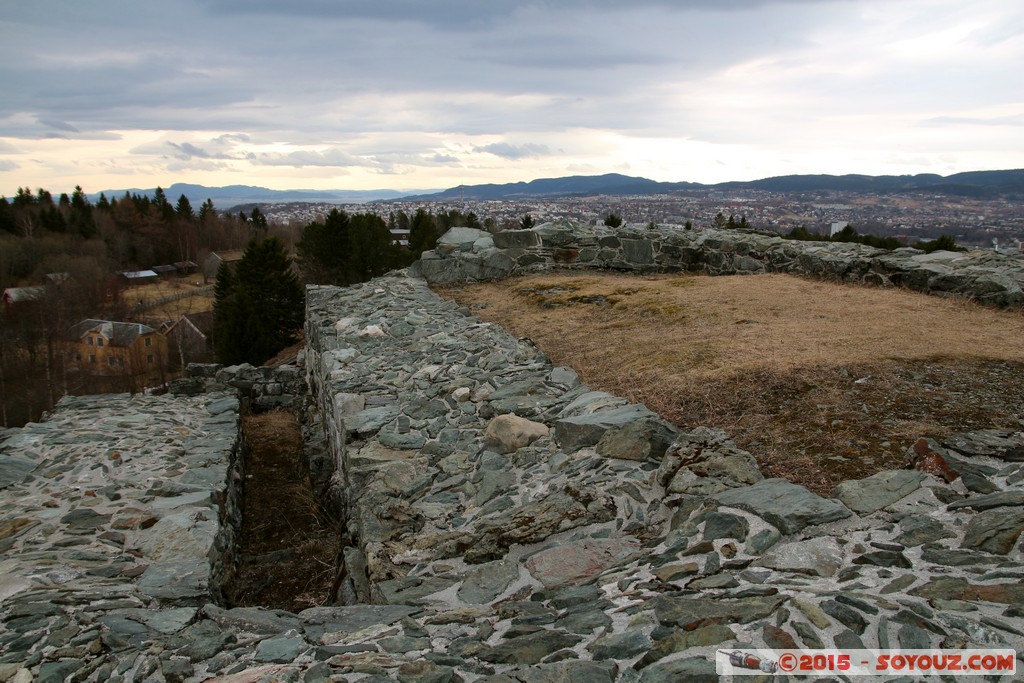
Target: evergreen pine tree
{"points": [[325, 250], [423, 232], [259, 308], [81, 217], [183, 209], [206, 212], [373, 250], [226, 318]]}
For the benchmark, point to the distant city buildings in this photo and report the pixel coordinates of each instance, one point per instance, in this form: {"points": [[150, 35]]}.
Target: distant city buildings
{"points": [[912, 217]]}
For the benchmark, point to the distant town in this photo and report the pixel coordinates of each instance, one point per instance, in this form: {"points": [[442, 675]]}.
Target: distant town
{"points": [[993, 223]]}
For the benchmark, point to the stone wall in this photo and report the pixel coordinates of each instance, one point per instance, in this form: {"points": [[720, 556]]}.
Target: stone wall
{"points": [[543, 531], [464, 254], [117, 526], [506, 524], [262, 388]]}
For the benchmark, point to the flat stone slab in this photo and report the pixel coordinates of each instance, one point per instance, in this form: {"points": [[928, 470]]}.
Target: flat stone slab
{"points": [[487, 581], [820, 557], [14, 469], [867, 495], [577, 562], [689, 613], [995, 443], [995, 531], [462, 237], [990, 500], [788, 506], [317, 621], [573, 433], [370, 420]]}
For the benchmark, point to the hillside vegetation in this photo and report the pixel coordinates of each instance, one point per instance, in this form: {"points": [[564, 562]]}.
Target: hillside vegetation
{"points": [[821, 382]]}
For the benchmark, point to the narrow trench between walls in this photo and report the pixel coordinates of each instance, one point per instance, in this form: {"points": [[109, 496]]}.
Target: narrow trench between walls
{"points": [[288, 544]]}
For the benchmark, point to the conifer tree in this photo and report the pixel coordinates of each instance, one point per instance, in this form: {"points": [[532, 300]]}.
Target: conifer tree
{"points": [[183, 210], [227, 320], [82, 220], [259, 308], [423, 232], [347, 249]]}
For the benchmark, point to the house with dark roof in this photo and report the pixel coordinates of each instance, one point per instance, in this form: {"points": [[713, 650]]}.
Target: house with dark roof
{"points": [[165, 270], [110, 348], [139, 277], [211, 264], [19, 295], [185, 267], [190, 338]]}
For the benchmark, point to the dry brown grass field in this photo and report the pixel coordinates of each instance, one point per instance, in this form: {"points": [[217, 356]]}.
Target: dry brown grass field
{"points": [[201, 301], [820, 381]]}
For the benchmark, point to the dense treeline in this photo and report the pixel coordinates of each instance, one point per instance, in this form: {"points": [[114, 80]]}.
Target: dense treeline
{"points": [[850, 235], [69, 251], [344, 249], [127, 233]]}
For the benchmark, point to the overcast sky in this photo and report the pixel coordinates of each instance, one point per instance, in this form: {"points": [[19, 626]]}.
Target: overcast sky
{"points": [[418, 94]]}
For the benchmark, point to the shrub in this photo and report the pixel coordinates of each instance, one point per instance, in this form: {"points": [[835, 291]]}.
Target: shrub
{"points": [[943, 243], [613, 220]]}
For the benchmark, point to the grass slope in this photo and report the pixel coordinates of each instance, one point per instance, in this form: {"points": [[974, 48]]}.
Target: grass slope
{"points": [[820, 381]]}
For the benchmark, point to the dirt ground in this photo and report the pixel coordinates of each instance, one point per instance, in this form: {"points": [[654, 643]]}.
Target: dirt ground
{"points": [[820, 381], [288, 547]]}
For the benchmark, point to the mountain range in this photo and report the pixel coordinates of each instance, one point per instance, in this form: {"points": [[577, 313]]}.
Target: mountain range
{"points": [[981, 184], [974, 183], [234, 195]]}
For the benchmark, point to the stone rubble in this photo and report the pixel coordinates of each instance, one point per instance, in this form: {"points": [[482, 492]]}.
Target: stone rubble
{"points": [[505, 523], [465, 254]]}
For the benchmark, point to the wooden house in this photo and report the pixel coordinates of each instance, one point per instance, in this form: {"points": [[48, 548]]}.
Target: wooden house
{"points": [[190, 338], [108, 348], [211, 264], [20, 295]]}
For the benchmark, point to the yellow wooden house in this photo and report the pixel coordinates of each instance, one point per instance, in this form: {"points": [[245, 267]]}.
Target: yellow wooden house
{"points": [[133, 351]]}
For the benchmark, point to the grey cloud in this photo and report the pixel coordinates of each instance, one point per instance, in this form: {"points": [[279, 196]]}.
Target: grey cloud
{"points": [[221, 147], [420, 156], [229, 138], [59, 125], [6, 165], [510, 151], [189, 151], [288, 74], [354, 75], [179, 166], [32, 128], [463, 13], [331, 157]]}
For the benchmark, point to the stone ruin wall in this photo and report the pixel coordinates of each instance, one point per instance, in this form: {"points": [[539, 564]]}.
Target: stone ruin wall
{"points": [[504, 522], [465, 254]]}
